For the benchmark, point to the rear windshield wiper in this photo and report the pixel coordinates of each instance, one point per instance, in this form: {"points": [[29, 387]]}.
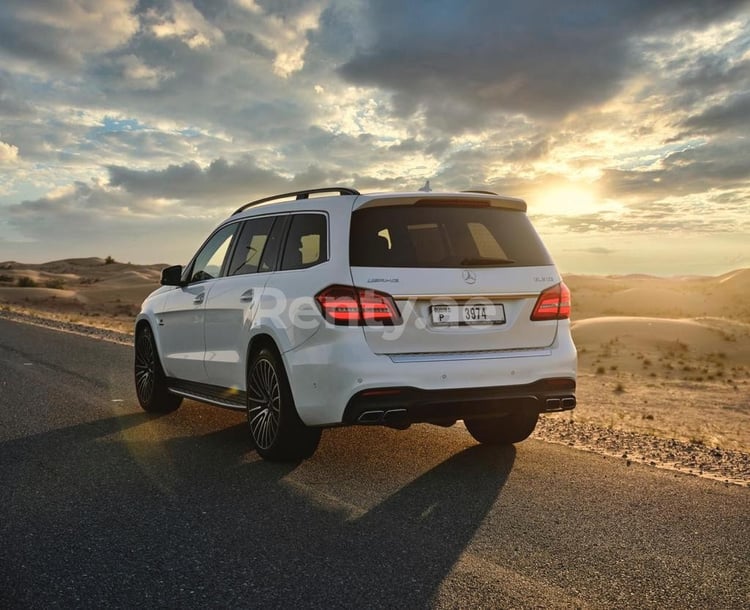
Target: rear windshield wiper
{"points": [[470, 262]]}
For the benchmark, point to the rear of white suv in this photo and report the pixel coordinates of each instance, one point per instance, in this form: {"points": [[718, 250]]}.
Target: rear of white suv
{"points": [[384, 309]]}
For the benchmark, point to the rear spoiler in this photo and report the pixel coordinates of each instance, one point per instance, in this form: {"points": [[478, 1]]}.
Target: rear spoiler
{"points": [[465, 198]]}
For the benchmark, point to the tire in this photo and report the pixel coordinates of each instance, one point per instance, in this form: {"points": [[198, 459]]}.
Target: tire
{"points": [[506, 430], [150, 381], [276, 429]]}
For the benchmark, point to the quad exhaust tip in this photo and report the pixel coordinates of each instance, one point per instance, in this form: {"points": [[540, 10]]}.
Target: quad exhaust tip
{"points": [[560, 404], [371, 417], [391, 417]]}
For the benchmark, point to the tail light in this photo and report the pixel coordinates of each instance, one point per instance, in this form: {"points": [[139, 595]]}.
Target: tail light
{"points": [[350, 306], [553, 304]]}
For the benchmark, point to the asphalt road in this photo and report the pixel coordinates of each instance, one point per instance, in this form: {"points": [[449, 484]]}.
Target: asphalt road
{"points": [[102, 505]]}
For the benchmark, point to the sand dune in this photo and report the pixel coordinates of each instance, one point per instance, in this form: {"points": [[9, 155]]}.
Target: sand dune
{"points": [[702, 335], [86, 286], [739, 278], [692, 297]]}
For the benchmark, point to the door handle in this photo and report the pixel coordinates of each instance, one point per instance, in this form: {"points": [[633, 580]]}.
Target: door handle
{"points": [[247, 296], [199, 298]]}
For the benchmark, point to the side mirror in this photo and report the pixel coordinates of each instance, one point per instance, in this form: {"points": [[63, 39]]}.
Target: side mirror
{"points": [[172, 276]]}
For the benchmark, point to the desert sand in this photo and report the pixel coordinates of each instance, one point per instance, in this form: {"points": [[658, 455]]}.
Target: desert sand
{"points": [[668, 357], [90, 290]]}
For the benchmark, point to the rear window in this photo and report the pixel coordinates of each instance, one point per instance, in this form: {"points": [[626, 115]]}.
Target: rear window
{"points": [[444, 236]]}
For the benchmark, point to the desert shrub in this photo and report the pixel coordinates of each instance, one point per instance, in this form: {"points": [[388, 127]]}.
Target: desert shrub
{"points": [[619, 388], [25, 282], [6, 278], [600, 370], [109, 260], [55, 283]]}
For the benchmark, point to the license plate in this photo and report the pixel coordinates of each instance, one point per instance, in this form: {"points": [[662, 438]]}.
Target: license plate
{"points": [[467, 314]]}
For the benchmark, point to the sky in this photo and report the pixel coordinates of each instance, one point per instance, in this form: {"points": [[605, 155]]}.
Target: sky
{"points": [[132, 128]]}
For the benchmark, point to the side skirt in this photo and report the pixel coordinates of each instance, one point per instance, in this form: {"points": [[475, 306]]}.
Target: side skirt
{"points": [[228, 398]]}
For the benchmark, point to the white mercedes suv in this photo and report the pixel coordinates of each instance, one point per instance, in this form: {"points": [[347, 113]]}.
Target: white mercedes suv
{"points": [[327, 307]]}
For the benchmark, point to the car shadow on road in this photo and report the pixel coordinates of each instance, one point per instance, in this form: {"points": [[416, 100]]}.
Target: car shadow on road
{"points": [[187, 518], [410, 542]]}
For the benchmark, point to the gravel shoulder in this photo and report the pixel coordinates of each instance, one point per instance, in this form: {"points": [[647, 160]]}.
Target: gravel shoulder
{"points": [[727, 465], [86, 328], [696, 458]]}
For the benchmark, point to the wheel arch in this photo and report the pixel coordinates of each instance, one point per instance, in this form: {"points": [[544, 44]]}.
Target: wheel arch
{"points": [[258, 342], [140, 324], [144, 322]]}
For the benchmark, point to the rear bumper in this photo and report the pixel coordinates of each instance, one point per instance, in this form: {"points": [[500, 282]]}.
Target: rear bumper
{"points": [[407, 405], [331, 374]]}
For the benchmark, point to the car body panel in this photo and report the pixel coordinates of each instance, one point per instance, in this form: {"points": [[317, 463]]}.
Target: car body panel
{"points": [[180, 326], [231, 306]]}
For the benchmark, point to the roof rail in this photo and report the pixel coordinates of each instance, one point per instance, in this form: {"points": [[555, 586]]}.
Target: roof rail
{"points": [[480, 192], [341, 190]]}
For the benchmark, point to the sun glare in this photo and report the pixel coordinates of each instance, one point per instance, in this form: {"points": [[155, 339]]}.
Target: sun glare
{"points": [[568, 200]]}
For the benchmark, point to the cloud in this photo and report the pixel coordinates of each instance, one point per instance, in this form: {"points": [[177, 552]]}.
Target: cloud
{"points": [[693, 170], [184, 22], [279, 30], [223, 186], [59, 33], [702, 215], [89, 219], [76, 201], [462, 64], [8, 152], [717, 71], [138, 75], [12, 102], [731, 113], [219, 184]]}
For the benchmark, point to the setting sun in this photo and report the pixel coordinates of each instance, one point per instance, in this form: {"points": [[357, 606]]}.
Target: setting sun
{"points": [[566, 200]]}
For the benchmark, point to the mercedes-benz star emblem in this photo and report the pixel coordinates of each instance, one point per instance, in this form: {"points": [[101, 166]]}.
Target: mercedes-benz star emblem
{"points": [[469, 276]]}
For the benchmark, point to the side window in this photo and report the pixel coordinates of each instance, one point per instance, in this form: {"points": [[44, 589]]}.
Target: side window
{"points": [[251, 244], [307, 242], [210, 258]]}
